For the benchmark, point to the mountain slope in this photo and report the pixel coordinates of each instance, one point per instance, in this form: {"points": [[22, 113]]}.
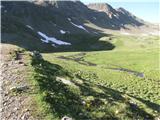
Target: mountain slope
{"points": [[62, 21], [119, 17]]}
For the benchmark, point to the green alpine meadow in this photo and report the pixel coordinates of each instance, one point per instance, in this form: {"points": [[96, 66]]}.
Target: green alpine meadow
{"points": [[66, 60]]}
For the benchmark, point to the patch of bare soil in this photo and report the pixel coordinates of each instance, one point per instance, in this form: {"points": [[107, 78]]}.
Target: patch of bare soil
{"points": [[79, 58], [14, 98]]}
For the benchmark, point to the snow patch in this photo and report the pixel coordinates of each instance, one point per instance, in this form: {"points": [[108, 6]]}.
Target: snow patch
{"points": [[125, 33], [64, 80], [54, 24], [1, 6], [43, 35], [113, 25], [52, 39], [29, 27], [67, 82], [62, 32], [110, 15], [116, 15], [44, 41], [53, 45], [94, 18], [69, 19], [79, 26], [95, 32]]}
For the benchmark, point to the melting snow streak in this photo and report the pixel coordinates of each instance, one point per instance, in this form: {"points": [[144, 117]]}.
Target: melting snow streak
{"points": [[62, 31], [29, 27], [52, 39], [79, 26]]}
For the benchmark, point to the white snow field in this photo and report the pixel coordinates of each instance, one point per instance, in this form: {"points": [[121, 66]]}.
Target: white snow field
{"points": [[62, 32], [79, 26], [52, 39]]}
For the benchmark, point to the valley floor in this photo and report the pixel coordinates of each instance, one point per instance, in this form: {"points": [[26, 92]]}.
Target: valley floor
{"points": [[121, 84]]}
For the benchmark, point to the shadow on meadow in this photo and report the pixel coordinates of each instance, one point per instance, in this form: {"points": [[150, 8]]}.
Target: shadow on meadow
{"points": [[80, 42], [66, 101], [151, 105]]}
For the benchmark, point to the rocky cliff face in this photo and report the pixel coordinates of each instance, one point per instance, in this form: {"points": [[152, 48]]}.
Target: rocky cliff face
{"points": [[119, 17]]}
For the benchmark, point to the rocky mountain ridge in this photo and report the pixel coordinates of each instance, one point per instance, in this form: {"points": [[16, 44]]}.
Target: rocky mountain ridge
{"points": [[70, 22]]}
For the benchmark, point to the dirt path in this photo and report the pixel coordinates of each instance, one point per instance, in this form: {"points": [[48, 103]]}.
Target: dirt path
{"points": [[14, 106], [136, 73], [79, 58]]}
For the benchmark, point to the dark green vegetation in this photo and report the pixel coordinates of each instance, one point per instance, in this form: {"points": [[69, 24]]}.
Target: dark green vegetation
{"points": [[81, 85], [100, 76], [81, 42], [50, 17], [101, 102]]}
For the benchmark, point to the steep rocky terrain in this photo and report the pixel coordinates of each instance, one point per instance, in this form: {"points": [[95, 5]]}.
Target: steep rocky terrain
{"points": [[59, 22], [118, 17]]}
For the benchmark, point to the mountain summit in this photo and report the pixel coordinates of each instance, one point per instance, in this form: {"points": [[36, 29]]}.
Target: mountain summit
{"points": [[119, 17], [102, 7]]}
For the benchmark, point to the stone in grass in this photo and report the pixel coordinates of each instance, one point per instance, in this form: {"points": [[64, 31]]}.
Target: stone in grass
{"points": [[133, 105], [19, 88], [80, 114], [117, 111], [36, 55], [83, 102], [66, 118]]}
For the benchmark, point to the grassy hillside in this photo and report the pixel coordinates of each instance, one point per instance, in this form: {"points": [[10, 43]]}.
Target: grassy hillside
{"points": [[93, 76], [118, 84]]}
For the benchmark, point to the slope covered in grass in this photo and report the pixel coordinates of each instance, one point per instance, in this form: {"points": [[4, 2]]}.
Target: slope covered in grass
{"points": [[119, 84], [101, 85]]}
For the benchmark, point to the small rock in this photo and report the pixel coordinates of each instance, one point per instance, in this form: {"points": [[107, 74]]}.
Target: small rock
{"points": [[133, 105], [15, 109], [26, 110], [66, 118], [83, 102], [117, 111], [19, 88], [80, 114], [157, 118], [1, 109], [20, 62], [4, 103], [6, 94], [4, 65], [25, 116]]}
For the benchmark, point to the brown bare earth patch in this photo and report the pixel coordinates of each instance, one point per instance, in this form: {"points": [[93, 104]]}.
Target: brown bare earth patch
{"points": [[14, 86]]}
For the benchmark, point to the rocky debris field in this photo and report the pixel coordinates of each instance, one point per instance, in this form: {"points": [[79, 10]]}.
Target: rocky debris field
{"points": [[14, 87]]}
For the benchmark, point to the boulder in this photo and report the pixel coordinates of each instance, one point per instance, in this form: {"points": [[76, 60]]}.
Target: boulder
{"points": [[19, 88]]}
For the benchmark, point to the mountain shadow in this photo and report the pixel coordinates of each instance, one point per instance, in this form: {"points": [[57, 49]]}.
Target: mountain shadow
{"points": [[79, 42], [63, 100], [22, 20]]}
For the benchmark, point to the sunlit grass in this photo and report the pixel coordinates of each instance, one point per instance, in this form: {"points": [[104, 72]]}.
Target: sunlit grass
{"points": [[106, 85]]}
